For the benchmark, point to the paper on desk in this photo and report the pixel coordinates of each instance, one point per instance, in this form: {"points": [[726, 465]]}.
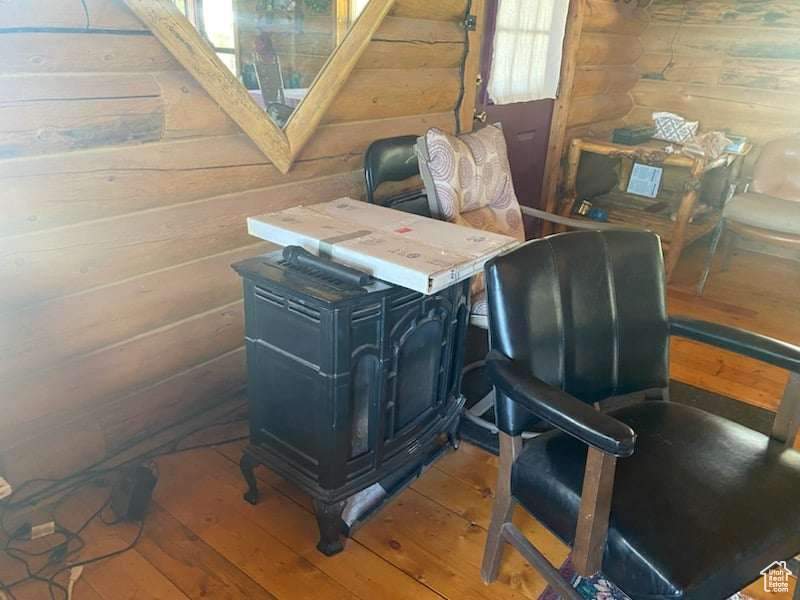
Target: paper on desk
{"points": [[421, 254]]}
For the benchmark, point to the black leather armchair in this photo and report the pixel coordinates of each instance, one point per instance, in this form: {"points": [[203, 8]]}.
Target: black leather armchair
{"points": [[669, 501]]}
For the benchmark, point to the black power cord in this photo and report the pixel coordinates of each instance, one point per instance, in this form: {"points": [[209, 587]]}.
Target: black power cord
{"points": [[69, 542]]}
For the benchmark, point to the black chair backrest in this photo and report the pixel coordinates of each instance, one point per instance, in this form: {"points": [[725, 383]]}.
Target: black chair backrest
{"points": [[394, 159], [585, 311]]}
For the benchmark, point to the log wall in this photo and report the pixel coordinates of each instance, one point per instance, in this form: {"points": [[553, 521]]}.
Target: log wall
{"points": [[605, 67], [731, 64], [125, 190]]}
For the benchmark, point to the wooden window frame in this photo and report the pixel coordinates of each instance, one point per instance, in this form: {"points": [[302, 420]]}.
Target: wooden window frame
{"points": [[281, 146]]}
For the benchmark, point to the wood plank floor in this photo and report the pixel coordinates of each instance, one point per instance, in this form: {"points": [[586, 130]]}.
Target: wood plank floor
{"points": [[202, 541]]}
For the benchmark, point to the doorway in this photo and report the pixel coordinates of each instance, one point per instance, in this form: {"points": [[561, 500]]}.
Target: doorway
{"points": [[520, 69]]}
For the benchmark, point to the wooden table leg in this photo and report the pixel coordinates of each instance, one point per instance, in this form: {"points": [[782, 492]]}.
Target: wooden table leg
{"points": [[685, 212], [571, 178]]}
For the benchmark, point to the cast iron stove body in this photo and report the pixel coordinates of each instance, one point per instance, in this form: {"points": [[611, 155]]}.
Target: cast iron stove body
{"points": [[349, 385]]}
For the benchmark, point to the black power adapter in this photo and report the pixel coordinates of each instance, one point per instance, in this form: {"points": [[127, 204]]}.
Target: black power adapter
{"points": [[132, 492]]}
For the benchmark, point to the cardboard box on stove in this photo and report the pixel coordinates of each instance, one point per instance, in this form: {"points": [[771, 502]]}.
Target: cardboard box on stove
{"points": [[415, 252]]}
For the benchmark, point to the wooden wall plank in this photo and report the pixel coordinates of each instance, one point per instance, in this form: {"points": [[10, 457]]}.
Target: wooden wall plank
{"points": [[592, 109], [709, 98], [82, 53], [605, 49], [44, 127], [730, 41], [92, 379], [767, 74], [53, 263], [99, 14], [38, 337], [76, 86], [685, 68], [441, 10], [401, 29], [728, 13], [383, 54], [607, 16], [188, 110], [596, 81], [396, 93], [782, 75], [63, 189], [57, 446], [354, 137]]}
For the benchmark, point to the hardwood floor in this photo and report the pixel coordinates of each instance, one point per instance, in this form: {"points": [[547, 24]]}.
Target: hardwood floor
{"points": [[202, 541]]}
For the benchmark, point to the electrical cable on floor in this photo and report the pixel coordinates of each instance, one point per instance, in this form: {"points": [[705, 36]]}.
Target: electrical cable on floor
{"points": [[91, 472], [70, 542]]}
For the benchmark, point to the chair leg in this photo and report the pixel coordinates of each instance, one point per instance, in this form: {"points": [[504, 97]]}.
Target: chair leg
{"points": [[503, 508], [728, 245], [595, 510], [787, 420], [502, 511], [540, 563], [718, 232]]}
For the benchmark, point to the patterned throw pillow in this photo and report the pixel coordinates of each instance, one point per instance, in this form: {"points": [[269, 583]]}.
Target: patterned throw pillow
{"points": [[468, 180]]}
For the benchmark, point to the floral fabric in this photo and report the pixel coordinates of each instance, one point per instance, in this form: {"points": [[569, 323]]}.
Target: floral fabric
{"points": [[471, 180], [468, 181]]}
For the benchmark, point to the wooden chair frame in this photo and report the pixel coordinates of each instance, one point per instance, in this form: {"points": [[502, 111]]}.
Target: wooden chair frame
{"points": [[593, 517], [727, 231]]}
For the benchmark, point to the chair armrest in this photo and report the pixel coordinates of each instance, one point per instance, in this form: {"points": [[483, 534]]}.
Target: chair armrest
{"points": [[558, 408], [763, 348]]}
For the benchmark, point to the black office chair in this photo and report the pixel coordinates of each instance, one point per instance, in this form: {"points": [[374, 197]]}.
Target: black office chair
{"points": [[394, 160], [667, 500]]}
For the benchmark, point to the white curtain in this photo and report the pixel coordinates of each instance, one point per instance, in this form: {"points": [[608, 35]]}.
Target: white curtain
{"points": [[526, 64]]}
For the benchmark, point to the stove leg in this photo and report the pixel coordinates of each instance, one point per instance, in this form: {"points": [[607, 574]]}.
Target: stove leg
{"points": [[329, 520], [453, 437], [248, 465]]}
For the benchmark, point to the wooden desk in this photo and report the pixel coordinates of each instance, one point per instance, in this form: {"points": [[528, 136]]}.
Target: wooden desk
{"points": [[621, 206]]}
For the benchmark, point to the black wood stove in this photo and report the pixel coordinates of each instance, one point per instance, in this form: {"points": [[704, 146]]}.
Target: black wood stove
{"points": [[353, 384]]}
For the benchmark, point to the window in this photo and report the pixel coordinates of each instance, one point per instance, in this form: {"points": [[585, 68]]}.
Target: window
{"points": [[356, 7], [219, 30], [526, 62], [215, 20]]}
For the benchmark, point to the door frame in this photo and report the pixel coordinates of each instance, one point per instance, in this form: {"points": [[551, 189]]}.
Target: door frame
{"points": [[473, 85], [472, 67], [558, 124]]}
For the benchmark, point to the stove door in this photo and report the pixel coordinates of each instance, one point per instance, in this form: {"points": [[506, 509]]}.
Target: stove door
{"points": [[417, 380]]}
